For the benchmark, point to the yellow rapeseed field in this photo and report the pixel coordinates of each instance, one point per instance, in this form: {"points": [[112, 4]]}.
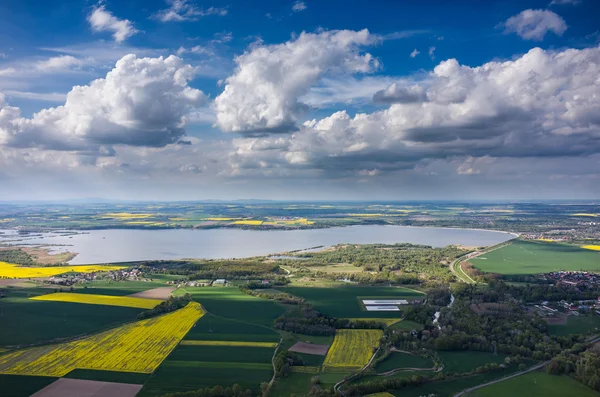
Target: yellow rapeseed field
{"points": [[93, 299], [352, 348], [247, 222], [137, 347], [221, 219], [227, 343], [584, 214], [124, 216], [10, 270], [591, 247]]}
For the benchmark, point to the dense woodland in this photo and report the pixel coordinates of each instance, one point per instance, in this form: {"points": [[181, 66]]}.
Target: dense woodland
{"points": [[242, 269], [16, 256]]}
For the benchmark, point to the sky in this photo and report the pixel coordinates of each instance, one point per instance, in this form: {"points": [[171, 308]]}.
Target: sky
{"points": [[300, 100]]}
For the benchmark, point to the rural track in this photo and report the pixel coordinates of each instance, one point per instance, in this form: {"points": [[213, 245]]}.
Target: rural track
{"points": [[534, 368], [592, 339]]}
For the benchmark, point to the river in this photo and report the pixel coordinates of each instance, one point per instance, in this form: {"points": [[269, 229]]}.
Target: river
{"points": [[123, 245]]}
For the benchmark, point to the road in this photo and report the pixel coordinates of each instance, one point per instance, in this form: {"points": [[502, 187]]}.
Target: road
{"points": [[534, 368]]}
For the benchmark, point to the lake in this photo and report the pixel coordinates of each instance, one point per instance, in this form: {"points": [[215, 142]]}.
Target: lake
{"points": [[124, 245]]}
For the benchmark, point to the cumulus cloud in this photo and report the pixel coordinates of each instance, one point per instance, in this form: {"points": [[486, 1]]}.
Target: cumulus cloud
{"points": [[535, 24], [263, 93], [141, 102], [102, 20], [397, 93], [414, 53], [299, 6], [184, 10], [543, 104]]}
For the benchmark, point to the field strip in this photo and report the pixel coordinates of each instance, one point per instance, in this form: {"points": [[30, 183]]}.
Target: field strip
{"points": [[215, 364], [189, 342], [93, 299], [10, 270], [352, 348], [305, 369], [136, 347]]}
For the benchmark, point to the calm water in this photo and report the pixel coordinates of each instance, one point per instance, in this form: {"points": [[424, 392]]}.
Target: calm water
{"points": [[118, 245]]}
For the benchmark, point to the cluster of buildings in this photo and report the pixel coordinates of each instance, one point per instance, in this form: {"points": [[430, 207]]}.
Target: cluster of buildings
{"points": [[220, 282], [563, 307], [114, 275], [573, 278]]}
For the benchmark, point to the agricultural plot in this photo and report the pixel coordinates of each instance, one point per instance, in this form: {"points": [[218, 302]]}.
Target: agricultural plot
{"points": [[93, 299], [26, 322], [227, 343], [467, 361], [345, 301], [9, 270], [232, 303], [536, 384], [309, 348], [87, 388], [214, 328], [402, 360], [145, 343], [192, 367], [533, 257], [295, 383], [352, 349], [22, 386]]}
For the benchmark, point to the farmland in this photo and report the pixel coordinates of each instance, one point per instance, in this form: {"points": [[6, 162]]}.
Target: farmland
{"points": [[576, 325], [536, 384], [403, 360], [532, 257], [352, 349], [467, 361], [9, 270], [26, 321], [96, 299], [146, 343], [344, 301]]}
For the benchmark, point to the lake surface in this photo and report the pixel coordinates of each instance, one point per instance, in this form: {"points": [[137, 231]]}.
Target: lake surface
{"points": [[123, 245]]}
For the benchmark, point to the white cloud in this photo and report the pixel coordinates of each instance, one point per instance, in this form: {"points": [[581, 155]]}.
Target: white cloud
{"points": [[7, 71], [184, 10], [345, 90], [543, 104], [414, 53], [534, 24], [561, 2], [431, 52], [141, 102], [299, 6], [102, 20], [262, 94], [37, 96], [58, 63]]}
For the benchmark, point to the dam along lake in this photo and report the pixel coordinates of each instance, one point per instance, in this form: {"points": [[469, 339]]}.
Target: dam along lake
{"points": [[124, 245]]}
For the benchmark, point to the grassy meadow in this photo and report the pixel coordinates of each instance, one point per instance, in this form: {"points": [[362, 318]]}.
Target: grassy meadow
{"points": [[534, 257]]}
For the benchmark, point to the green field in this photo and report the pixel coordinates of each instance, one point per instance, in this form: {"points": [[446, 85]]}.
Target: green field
{"points": [[230, 354], [402, 360], [575, 325], [294, 383], [109, 376], [536, 384], [232, 303], [211, 327], [467, 361], [533, 257], [22, 386], [27, 321], [344, 301]]}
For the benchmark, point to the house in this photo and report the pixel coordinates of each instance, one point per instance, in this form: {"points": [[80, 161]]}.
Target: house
{"points": [[219, 282], [265, 282]]}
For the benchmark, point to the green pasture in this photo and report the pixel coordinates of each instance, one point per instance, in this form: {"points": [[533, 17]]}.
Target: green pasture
{"points": [[467, 361], [536, 384], [534, 257], [294, 383], [402, 360], [230, 354], [22, 386], [344, 301], [211, 327], [575, 325]]}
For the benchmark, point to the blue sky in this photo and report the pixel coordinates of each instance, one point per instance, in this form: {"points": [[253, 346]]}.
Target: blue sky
{"points": [[266, 111]]}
